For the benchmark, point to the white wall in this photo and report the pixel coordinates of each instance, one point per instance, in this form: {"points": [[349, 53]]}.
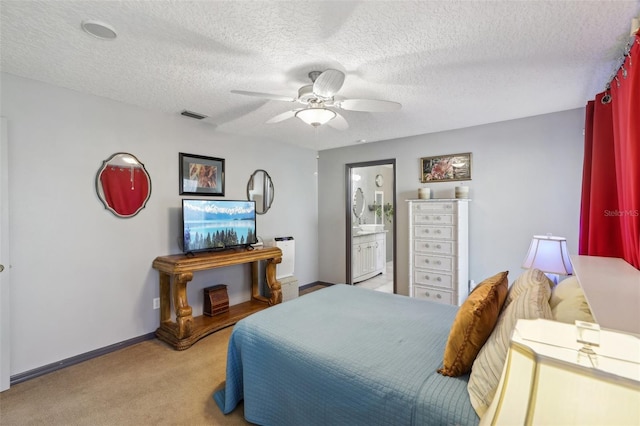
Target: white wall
{"points": [[81, 277], [526, 180]]}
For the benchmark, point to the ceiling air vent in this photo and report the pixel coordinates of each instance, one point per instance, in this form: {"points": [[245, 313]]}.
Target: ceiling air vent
{"points": [[193, 115]]}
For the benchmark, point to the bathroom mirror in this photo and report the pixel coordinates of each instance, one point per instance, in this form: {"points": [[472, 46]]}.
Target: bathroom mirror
{"points": [[123, 185], [358, 203], [260, 190]]}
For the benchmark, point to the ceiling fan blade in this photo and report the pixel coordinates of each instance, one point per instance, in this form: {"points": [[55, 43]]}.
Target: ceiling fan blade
{"points": [[338, 122], [270, 96], [281, 117], [328, 83], [369, 105]]}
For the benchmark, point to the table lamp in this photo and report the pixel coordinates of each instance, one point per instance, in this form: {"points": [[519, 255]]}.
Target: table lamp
{"points": [[549, 379], [549, 254]]}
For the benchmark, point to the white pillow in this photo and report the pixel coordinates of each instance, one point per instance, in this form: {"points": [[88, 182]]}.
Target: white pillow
{"points": [[565, 289], [532, 303], [529, 278], [572, 306]]}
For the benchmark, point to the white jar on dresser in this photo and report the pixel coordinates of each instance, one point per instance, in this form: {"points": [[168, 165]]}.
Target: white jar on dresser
{"points": [[439, 250]]}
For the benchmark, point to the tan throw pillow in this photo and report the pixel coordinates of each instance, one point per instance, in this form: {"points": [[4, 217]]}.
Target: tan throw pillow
{"points": [[529, 278], [473, 324], [532, 303]]}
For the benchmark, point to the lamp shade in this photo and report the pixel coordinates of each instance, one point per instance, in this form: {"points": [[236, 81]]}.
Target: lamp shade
{"points": [[548, 254], [547, 380], [315, 116]]}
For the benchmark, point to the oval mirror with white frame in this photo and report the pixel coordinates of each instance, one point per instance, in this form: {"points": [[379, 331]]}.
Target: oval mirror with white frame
{"points": [[123, 185], [260, 189]]}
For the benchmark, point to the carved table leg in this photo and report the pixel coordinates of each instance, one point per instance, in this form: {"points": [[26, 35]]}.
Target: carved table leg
{"points": [[274, 285], [165, 298], [184, 319]]}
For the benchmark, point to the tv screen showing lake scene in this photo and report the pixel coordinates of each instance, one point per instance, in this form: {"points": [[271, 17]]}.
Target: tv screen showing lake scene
{"points": [[217, 224]]}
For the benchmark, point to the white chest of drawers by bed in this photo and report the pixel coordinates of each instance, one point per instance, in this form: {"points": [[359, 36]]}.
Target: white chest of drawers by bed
{"points": [[439, 250]]}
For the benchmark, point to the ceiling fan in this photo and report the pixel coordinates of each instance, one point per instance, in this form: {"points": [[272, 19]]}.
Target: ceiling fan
{"points": [[319, 101]]}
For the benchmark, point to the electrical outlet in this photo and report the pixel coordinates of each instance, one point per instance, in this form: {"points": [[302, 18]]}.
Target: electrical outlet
{"points": [[156, 303]]}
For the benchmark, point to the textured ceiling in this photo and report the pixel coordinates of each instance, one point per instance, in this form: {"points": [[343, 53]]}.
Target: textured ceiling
{"points": [[451, 64]]}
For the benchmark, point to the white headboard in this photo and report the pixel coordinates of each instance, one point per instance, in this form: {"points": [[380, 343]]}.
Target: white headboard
{"points": [[612, 289]]}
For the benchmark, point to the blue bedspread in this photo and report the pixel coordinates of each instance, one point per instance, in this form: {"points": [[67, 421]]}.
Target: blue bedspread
{"points": [[345, 356]]}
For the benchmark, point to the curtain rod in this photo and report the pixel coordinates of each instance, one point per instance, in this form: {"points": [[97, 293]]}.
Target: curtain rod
{"points": [[635, 25]]}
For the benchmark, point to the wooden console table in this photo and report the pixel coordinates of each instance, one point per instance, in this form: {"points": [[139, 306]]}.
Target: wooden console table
{"points": [[177, 270]]}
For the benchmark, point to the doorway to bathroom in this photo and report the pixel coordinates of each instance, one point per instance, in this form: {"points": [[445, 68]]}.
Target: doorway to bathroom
{"points": [[371, 224]]}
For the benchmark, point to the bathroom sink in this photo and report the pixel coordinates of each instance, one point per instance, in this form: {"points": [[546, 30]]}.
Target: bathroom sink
{"points": [[371, 228]]}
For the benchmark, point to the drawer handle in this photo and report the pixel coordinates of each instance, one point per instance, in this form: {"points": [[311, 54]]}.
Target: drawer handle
{"points": [[426, 261], [437, 262], [447, 206], [438, 218], [438, 296], [426, 245], [438, 246], [426, 293], [426, 277], [438, 231], [438, 279], [426, 231]]}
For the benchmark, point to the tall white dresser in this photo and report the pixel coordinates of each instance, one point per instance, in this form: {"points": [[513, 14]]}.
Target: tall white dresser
{"points": [[439, 250]]}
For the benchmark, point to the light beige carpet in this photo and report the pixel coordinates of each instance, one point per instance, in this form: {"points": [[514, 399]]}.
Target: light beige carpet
{"points": [[148, 383]]}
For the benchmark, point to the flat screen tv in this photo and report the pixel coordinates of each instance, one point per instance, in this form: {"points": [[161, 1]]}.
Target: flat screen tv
{"points": [[209, 225]]}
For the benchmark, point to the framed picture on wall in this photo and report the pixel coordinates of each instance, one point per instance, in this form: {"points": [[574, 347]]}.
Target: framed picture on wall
{"points": [[445, 168], [200, 175]]}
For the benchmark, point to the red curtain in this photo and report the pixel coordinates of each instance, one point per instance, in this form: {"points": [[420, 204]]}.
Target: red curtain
{"points": [[610, 210], [125, 189]]}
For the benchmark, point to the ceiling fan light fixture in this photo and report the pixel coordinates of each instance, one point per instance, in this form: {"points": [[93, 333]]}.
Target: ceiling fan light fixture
{"points": [[316, 116]]}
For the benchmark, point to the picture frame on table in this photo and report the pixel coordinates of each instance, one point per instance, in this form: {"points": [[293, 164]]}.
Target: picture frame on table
{"points": [[201, 175], [445, 168]]}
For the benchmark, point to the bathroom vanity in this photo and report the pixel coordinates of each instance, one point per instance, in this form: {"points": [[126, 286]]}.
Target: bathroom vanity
{"points": [[368, 252]]}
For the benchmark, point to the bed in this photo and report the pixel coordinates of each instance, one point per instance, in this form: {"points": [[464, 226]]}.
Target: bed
{"points": [[345, 355]]}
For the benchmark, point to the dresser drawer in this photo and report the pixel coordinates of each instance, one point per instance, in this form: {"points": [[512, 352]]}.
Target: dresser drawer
{"points": [[432, 207], [433, 219], [439, 232], [440, 263], [420, 276], [430, 246], [426, 293]]}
